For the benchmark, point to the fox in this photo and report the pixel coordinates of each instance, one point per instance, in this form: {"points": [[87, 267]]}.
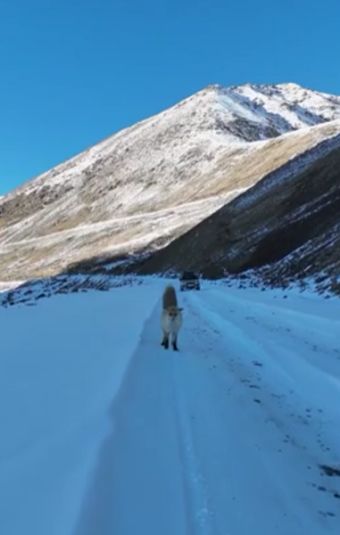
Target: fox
{"points": [[171, 318]]}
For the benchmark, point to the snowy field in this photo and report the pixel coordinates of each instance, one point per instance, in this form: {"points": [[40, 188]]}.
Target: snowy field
{"points": [[104, 432]]}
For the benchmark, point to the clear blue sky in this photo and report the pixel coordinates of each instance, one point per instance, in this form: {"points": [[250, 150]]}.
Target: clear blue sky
{"points": [[75, 71]]}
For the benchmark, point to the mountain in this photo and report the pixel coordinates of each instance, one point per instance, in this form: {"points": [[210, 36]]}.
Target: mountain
{"points": [[145, 186], [286, 227]]}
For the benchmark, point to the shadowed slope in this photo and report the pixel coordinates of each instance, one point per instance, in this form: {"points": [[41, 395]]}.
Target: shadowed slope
{"points": [[290, 218]]}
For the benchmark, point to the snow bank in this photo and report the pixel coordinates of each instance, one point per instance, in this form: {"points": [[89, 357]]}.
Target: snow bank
{"points": [[61, 365]]}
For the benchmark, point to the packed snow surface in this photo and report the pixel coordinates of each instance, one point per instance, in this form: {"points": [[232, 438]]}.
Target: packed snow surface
{"points": [[104, 432]]}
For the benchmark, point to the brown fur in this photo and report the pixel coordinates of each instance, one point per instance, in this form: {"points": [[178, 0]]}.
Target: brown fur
{"points": [[169, 297]]}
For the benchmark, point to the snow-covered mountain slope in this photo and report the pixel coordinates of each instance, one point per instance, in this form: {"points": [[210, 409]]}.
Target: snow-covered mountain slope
{"points": [[148, 184], [103, 431], [288, 106], [288, 225]]}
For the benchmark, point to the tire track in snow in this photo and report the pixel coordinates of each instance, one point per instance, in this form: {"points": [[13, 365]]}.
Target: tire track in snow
{"points": [[147, 476], [200, 517], [282, 401]]}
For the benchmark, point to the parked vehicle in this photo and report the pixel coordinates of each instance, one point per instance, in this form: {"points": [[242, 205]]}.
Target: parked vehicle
{"points": [[189, 280]]}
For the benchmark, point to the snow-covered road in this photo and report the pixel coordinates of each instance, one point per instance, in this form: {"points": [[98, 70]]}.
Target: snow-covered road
{"points": [[238, 433], [226, 436]]}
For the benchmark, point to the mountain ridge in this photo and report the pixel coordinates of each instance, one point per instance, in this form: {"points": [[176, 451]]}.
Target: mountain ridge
{"points": [[286, 228], [149, 183]]}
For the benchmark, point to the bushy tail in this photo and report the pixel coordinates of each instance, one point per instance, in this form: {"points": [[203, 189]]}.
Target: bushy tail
{"points": [[169, 297]]}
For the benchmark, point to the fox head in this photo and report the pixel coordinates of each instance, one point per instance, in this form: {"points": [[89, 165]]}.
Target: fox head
{"points": [[173, 311]]}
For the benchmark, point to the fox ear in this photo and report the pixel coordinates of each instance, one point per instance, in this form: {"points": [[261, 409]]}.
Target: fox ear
{"points": [[180, 309]]}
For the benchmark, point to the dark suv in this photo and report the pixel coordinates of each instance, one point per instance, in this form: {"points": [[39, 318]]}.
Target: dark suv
{"points": [[189, 281]]}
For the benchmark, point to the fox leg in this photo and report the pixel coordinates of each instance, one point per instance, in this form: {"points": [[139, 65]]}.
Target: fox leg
{"points": [[174, 342], [165, 341]]}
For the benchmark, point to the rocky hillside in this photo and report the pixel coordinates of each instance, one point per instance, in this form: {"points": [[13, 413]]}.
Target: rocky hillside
{"points": [[287, 227], [149, 184]]}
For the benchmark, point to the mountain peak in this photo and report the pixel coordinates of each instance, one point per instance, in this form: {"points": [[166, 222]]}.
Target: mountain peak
{"points": [[148, 183]]}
